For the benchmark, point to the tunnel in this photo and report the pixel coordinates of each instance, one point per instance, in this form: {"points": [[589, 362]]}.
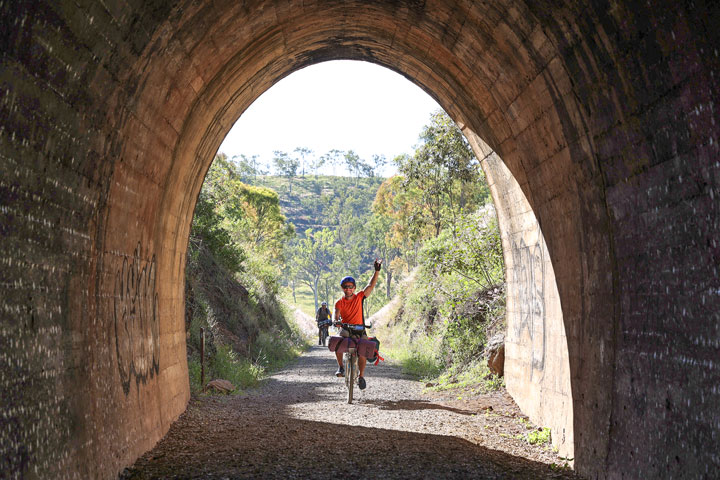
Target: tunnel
{"points": [[596, 126]]}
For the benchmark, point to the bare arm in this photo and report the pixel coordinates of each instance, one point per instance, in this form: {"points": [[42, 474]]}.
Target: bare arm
{"points": [[370, 286]]}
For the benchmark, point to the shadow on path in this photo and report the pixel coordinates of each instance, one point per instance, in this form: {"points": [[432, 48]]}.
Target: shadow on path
{"points": [[415, 405], [296, 425], [290, 448]]}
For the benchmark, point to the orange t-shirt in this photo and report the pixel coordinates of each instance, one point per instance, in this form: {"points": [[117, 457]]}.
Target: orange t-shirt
{"points": [[350, 310]]}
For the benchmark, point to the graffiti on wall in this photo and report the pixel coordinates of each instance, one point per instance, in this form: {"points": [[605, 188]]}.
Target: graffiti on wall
{"points": [[529, 271], [135, 315]]}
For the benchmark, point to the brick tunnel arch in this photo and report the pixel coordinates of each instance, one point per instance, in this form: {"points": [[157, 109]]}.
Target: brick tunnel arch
{"points": [[602, 115]]}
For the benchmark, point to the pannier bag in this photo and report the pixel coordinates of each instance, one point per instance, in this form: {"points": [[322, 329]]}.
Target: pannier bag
{"points": [[374, 357], [338, 344], [365, 348]]}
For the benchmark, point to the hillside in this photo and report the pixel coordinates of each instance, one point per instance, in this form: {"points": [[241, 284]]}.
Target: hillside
{"points": [[320, 201]]}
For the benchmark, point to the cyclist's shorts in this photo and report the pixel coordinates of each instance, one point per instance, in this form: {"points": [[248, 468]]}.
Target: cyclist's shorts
{"points": [[345, 333]]}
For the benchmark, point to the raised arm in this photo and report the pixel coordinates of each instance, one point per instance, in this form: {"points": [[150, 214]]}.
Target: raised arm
{"points": [[370, 286]]}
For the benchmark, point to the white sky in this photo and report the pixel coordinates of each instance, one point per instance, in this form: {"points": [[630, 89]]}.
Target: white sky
{"points": [[346, 105]]}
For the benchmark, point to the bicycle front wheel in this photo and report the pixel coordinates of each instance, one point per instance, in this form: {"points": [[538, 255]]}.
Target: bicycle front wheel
{"points": [[350, 379]]}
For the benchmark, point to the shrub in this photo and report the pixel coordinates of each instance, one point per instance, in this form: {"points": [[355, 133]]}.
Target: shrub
{"points": [[457, 295]]}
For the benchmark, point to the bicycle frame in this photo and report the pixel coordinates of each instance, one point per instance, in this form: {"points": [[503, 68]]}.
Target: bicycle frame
{"points": [[350, 357]]}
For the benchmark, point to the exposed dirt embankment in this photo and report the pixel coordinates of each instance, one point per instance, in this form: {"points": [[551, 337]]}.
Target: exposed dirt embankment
{"points": [[298, 425], [306, 323]]}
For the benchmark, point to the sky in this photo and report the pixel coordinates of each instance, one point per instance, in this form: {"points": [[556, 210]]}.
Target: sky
{"points": [[342, 104]]}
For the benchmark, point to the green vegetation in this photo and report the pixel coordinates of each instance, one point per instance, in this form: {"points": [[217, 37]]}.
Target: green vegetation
{"points": [[440, 330], [539, 437], [331, 216], [232, 282], [256, 235], [444, 227], [535, 436]]}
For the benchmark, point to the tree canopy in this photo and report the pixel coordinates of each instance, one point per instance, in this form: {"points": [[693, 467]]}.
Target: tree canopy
{"points": [[344, 222]]}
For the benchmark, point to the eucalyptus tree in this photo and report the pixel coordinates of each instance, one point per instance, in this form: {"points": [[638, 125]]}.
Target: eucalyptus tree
{"points": [[379, 161], [352, 160], [250, 214], [378, 233], [286, 166], [312, 256], [316, 162], [248, 167], [302, 152], [442, 162], [262, 226], [472, 251], [334, 158], [401, 203]]}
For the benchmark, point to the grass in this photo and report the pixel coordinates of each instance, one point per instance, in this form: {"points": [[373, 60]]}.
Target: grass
{"points": [[271, 350], [241, 372], [477, 375], [417, 356], [417, 362]]}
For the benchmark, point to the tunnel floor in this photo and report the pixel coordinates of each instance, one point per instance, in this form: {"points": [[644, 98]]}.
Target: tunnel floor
{"points": [[298, 425]]}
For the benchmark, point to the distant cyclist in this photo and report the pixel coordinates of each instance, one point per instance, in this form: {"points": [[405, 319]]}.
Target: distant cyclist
{"points": [[349, 310], [322, 317]]}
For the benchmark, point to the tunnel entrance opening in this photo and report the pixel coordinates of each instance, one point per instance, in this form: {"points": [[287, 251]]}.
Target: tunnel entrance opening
{"points": [[537, 360]]}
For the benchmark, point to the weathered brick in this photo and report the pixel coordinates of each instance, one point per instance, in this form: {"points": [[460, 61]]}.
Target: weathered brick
{"points": [[604, 115]]}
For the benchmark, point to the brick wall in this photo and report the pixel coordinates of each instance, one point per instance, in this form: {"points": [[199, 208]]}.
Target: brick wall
{"points": [[603, 114]]}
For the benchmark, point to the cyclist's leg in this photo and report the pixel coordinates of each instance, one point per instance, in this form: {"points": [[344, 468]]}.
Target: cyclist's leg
{"points": [[339, 355], [362, 361], [344, 334]]}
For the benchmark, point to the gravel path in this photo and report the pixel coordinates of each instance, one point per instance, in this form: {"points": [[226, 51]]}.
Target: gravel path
{"points": [[298, 425]]}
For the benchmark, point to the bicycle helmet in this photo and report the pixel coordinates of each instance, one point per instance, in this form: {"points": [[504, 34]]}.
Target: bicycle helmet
{"points": [[324, 304], [347, 280]]}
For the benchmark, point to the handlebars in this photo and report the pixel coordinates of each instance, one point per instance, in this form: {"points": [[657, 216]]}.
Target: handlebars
{"points": [[354, 327]]}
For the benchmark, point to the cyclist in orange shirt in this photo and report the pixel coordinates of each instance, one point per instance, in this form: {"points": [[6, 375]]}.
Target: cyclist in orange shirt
{"points": [[349, 309]]}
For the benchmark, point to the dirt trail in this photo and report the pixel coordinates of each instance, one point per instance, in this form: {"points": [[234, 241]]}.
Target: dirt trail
{"points": [[297, 425]]}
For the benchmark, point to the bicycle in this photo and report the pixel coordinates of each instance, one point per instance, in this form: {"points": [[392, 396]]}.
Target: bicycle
{"points": [[323, 331], [350, 357]]}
